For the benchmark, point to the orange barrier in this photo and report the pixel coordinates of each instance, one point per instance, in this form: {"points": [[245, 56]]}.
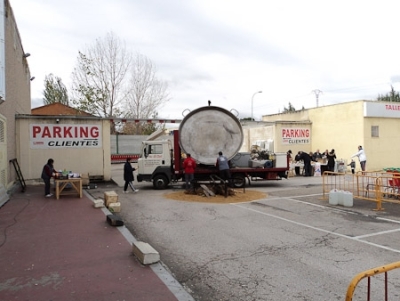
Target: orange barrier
{"points": [[375, 186], [368, 274]]}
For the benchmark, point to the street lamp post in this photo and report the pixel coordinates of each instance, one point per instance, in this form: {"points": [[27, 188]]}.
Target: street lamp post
{"points": [[252, 98]]}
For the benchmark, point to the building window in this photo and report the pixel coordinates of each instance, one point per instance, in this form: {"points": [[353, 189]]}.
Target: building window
{"points": [[375, 131]]}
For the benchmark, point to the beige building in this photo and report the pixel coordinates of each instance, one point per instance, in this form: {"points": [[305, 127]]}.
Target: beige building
{"points": [[372, 124], [15, 95], [78, 143], [75, 143]]}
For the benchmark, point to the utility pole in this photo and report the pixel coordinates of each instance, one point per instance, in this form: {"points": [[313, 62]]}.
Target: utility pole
{"points": [[317, 92]]}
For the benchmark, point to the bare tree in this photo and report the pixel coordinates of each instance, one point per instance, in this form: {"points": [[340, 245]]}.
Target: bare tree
{"points": [[98, 78], [54, 90], [140, 128], [146, 92]]}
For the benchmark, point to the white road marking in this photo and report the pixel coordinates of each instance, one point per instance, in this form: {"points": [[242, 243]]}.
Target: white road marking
{"points": [[377, 233], [388, 220], [318, 229]]}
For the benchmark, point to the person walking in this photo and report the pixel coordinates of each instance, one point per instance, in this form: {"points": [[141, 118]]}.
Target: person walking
{"points": [[189, 165], [128, 176], [223, 167], [362, 157], [47, 173]]}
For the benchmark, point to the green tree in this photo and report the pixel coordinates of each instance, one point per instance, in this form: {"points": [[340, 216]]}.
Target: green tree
{"points": [[391, 96], [290, 108], [54, 90]]}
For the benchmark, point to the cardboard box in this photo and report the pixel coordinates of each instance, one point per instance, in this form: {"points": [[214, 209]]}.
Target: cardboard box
{"points": [[85, 179], [110, 197], [115, 207]]}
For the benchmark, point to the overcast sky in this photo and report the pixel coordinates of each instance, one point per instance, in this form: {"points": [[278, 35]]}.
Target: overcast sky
{"points": [[227, 50]]}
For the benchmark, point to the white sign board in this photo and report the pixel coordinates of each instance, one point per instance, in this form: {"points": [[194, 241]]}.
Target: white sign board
{"points": [[382, 109], [65, 136], [295, 136]]}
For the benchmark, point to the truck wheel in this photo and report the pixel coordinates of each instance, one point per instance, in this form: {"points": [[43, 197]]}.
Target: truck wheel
{"points": [[238, 181], [160, 182]]}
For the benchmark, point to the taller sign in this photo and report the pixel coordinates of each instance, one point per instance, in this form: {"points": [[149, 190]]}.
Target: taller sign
{"points": [[65, 135], [382, 109]]}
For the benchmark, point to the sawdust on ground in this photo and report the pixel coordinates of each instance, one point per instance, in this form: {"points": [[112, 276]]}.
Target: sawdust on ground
{"points": [[239, 197]]}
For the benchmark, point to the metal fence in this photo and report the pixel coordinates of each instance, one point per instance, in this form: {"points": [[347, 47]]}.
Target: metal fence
{"points": [[376, 186]]}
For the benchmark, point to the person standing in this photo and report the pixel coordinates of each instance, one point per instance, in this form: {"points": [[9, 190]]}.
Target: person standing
{"points": [[47, 173], [297, 158], [189, 165], [128, 176], [362, 157], [331, 160], [352, 166], [317, 155], [307, 163], [223, 167], [289, 154]]}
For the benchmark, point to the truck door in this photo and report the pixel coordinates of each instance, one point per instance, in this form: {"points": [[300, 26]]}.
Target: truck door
{"points": [[152, 157]]}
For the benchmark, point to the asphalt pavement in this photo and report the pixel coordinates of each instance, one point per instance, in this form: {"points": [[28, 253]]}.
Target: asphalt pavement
{"points": [[290, 245]]}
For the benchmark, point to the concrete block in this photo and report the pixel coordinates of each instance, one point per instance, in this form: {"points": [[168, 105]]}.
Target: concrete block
{"points": [[99, 203], [115, 207], [145, 253], [114, 220]]}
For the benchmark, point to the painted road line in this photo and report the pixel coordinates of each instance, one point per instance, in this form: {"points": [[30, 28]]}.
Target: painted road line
{"points": [[316, 228], [377, 233]]}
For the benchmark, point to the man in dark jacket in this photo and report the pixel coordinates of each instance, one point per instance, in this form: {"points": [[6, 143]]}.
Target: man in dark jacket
{"points": [[128, 176], [47, 173], [307, 163]]}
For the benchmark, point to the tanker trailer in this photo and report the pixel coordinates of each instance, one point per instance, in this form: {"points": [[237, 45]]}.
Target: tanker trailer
{"points": [[203, 133], [206, 131]]}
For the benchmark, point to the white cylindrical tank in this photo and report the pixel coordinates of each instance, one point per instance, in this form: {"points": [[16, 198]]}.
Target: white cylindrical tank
{"points": [[206, 131]]}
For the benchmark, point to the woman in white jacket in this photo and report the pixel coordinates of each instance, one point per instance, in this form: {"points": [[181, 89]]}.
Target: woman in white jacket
{"points": [[362, 157]]}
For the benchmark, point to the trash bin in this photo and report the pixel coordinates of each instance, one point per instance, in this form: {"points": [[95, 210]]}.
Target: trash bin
{"points": [[341, 166]]}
